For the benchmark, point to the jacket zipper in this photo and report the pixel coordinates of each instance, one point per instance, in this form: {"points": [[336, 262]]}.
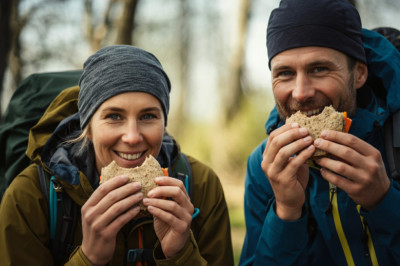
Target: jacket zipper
{"points": [[369, 251], [338, 225]]}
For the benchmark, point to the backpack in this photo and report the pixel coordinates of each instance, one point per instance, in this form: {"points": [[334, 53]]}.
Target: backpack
{"points": [[34, 95], [24, 110], [392, 125]]}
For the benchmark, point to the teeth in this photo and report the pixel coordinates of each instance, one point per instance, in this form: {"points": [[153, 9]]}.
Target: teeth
{"points": [[312, 112], [129, 156]]}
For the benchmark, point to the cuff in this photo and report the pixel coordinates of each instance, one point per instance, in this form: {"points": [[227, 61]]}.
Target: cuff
{"points": [[78, 258], [184, 257]]}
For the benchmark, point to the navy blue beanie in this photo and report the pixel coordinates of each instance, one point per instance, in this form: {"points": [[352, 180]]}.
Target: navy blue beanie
{"points": [[117, 69], [334, 24]]}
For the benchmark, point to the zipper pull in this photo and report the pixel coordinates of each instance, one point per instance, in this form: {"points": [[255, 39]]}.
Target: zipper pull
{"points": [[332, 190]]}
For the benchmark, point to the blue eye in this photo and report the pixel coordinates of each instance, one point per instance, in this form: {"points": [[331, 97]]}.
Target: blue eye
{"points": [[148, 117], [319, 69], [114, 116]]}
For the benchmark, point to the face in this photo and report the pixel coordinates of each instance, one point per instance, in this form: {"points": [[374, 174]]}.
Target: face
{"points": [[127, 128], [310, 78]]}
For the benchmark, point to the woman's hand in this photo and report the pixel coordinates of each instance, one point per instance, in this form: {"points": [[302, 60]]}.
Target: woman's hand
{"points": [[110, 207], [172, 210]]}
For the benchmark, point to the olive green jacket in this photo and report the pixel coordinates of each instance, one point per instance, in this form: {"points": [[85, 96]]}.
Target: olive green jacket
{"points": [[24, 211]]}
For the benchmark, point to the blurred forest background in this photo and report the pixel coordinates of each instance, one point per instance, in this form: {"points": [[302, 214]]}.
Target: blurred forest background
{"points": [[213, 51]]}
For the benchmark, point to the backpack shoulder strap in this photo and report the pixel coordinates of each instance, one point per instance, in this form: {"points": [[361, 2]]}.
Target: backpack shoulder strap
{"points": [[63, 217], [392, 145], [182, 171]]}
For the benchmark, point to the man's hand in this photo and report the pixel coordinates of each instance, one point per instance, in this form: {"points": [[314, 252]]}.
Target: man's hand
{"points": [[285, 164], [356, 167]]}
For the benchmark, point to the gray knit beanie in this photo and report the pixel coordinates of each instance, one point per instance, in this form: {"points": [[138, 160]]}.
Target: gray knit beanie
{"points": [[334, 24], [117, 69]]}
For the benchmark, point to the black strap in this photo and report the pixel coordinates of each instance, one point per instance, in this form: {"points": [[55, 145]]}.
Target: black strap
{"points": [[392, 145], [44, 182], [67, 211], [182, 169]]}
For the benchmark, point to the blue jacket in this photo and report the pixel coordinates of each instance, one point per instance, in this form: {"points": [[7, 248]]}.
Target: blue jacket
{"points": [[315, 239]]}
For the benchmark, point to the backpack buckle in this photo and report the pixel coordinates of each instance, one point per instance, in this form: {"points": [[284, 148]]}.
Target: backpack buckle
{"points": [[134, 255]]}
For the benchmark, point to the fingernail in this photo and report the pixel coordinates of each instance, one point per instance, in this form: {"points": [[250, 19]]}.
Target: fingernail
{"points": [[302, 130], [136, 185], [294, 125], [124, 177], [324, 134], [317, 142], [146, 200], [307, 139]]}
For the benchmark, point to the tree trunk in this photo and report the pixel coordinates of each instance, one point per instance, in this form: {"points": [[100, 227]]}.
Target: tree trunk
{"points": [[233, 92], [126, 23], [17, 23], [5, 13]]}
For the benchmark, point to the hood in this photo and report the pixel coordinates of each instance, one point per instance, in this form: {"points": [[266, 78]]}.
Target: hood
{"points": [[381, 88]]}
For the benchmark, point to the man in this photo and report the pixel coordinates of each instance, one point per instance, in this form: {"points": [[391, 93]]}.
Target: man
{"points": [[347, 212]]}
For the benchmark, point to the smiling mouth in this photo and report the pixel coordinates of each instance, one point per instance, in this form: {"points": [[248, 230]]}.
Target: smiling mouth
{"points": [[129, 156]]}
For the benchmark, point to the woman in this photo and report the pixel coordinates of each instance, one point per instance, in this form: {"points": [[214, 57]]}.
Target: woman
{"points": [[123, 105]]}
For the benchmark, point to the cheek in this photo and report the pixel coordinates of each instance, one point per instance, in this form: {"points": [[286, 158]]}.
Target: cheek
{"points": [[103, 139], [155, 137]]}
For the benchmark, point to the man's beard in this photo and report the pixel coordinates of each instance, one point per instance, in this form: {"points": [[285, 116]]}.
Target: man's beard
{"points": [[347, 103]]}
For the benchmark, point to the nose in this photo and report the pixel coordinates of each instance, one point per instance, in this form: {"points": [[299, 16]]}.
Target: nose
{"points": [[303, 89], [132, 133]]}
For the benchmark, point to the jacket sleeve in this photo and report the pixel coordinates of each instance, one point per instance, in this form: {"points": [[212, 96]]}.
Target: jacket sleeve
{"points": [[24, 227], [383, 224], [210, 243], [269, 240], [189, 255]]}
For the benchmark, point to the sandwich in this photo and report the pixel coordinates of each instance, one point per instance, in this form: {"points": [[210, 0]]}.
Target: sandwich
{"points": [[144, 174], [328, 119]]}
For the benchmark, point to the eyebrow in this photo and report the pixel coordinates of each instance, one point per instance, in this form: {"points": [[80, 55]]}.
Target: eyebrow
{"points": [[112, 109], [311, 64], [321, 62], [117, 109]]}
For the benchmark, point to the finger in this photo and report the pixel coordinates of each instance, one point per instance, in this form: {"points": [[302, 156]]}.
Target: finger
{"points": [[170, 206], [176, 193], [111, 228], [348, 140], [339, 151], [119, 208], [303, 149], [127, 191], [179, 224], [170, 181], [117, 195], [278, 140], [106, 187], [338, 167]]}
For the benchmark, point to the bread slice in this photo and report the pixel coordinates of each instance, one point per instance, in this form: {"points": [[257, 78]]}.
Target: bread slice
{"points": [[328, 119], [144, 174]]}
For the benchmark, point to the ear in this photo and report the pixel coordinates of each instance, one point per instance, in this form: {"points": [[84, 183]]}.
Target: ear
{"points": [[360, 75]]}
